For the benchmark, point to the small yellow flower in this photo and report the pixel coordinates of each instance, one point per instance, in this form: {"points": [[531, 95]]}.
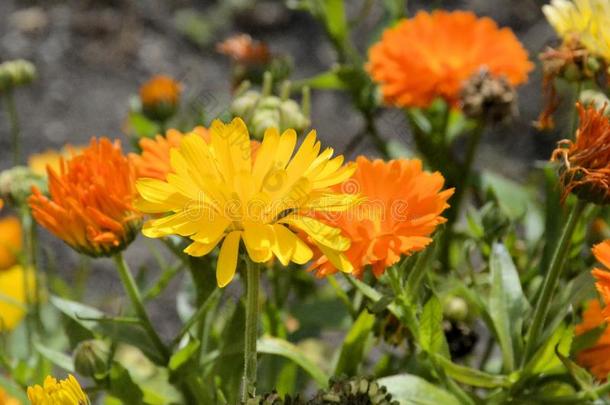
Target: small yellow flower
{"points": [[219, 193], [11, 240], [587, 21], [13, 293], [53, 392]]}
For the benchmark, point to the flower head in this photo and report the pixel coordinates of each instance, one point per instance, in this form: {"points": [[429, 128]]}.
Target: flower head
{"points": [[153, 161], [585, 169], [219, 194], [11, 240], [586, 21], [160, 96], [90, 205], [601, 251], [14, 294], [53, 392], [402, 207], [597, 357], [432, 55], [241, 48]]}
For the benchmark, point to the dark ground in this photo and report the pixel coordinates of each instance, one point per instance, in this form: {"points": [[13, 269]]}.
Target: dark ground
{"points": [[93, 55]]}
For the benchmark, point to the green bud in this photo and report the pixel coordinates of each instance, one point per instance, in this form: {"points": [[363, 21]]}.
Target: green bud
{"points": [[244, 105], [16, 184], [455, 308], [593, 64], [91, 358], [16, 73], [572, 73]]}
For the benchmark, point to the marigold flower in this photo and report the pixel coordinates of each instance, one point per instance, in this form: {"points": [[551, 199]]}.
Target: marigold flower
{"points": [[218, 192], [53, 392], [597, 357], [154, 160], [160, 96], [14, 294], [585, 169], [587, 21], [402, 207], [6, 399], [601, 251], [91, 200], [241, 48], [11, 240], [432, 55]]}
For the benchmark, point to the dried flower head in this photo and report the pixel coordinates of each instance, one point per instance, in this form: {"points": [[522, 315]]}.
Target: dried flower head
{"points": [[160, 96], [53, 392], [432, 55], [242, 49], [597, 357], [488, 98], [402, 207], [585, 162], [90, 205], [154, 160]]}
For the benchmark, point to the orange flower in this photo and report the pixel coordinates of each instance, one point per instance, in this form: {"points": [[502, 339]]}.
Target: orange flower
{"points": [[91, 200], [160, 96], [243, 49], [11, 239], [6, 399], [154, 160], [585, 162], [597, 357], [402, 207], [432, 55], [601, 251]]}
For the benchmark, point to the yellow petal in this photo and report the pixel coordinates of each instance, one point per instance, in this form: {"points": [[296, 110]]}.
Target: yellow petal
{"points": [[159, 196], [321, 233], [200, 249], [258, 239], [265, 156], [227, 259], [338, 259]]}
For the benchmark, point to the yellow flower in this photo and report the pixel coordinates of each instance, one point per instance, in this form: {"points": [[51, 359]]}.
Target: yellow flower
{"points": [[217, 192], [38, 162], [13, 290], [53, 392], [11, 240], [5, 399], [587, 21]]}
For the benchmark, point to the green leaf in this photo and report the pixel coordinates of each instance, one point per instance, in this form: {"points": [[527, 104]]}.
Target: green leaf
{"points": [[545, 361], [412, 390], [122, 386], [587, 339], [335, 19], [182, 356], [507, 305], [58, 358], [280, 347], [354, 345], [431, 335], [470, 376], [582, 377], [330, 80], [142, 126]]}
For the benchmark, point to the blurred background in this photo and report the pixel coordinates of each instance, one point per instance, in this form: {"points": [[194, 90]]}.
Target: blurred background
{"points": [[92, 56]]}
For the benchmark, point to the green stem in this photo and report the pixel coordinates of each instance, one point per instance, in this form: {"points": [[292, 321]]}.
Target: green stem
{"points": [[250, 360], [418, 273], [13, 118], [138, 305], [550, 280]]}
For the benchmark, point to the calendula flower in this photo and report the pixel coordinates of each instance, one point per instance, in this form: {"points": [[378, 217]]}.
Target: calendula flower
{"points": [[597, 357], [11, 240], [242, 49], [601, 251], [90, 205], [160, 96], [218, 194], [153, 161], [432, 55], [54, 392], [587, 21], [17, 286], [6, 399], [38, 162], [585, 162], [402, 207]]}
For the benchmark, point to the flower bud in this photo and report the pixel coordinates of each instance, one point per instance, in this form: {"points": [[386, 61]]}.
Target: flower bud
{"points": [[91, 358], [16, 184], [455, 308], [16, 73], [160, 97]]}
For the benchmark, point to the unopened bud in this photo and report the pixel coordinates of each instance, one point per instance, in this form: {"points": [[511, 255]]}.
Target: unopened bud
{"points": [[16, 73], [91, 358], [16, 184]]}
